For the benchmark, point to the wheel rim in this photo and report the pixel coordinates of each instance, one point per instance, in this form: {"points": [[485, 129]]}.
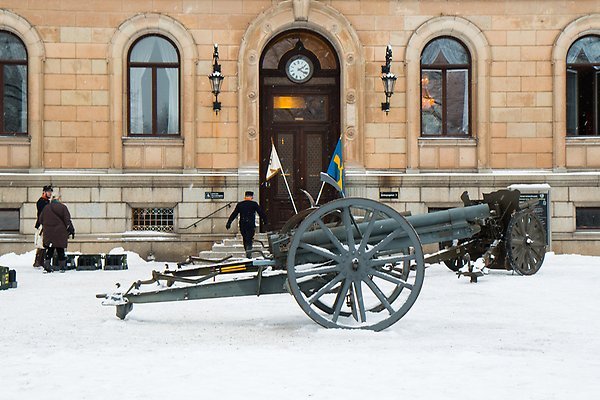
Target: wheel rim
{"points": [[355, 278], [525, 243]]}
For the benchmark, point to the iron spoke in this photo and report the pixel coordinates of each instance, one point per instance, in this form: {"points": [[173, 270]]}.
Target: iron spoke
{"points": [[317, 270], [340, 300], [391, 260], [326, 288], [359, 299], [382, 298], [390, 278], [367, 235], [384, 242], [320, 251], [347, 219], [331, 236]]}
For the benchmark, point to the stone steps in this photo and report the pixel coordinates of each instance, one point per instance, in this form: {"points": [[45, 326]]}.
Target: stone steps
{"points": [[234, 247]]}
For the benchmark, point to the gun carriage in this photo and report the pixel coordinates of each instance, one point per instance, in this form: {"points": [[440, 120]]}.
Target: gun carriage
{"points": [[356, 263]]}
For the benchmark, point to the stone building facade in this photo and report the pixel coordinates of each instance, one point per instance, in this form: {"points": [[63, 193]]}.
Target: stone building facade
{"points": [[513, 111]]}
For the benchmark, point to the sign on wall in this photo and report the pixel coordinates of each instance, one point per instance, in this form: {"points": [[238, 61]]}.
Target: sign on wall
{"points": [[214, 195]]}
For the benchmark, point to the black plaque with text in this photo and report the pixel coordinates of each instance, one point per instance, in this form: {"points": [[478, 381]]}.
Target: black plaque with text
{"points": [[214, 195]]}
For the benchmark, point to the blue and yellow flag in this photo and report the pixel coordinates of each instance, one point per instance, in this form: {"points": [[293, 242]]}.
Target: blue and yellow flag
{"points": [[336, 167]]}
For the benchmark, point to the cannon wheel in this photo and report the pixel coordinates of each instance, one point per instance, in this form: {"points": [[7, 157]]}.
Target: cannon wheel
{"points": [[362, 281], [525, 243]]}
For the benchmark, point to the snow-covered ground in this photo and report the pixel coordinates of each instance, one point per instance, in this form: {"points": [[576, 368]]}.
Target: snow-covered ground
{"points": [[506, 337]]}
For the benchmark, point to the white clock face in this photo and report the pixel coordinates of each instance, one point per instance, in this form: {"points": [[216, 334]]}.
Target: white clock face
{"points": [[299, 69]]}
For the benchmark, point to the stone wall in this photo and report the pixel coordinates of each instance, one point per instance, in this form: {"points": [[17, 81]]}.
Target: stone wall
{"points": [[77, 76], [101, 205]]}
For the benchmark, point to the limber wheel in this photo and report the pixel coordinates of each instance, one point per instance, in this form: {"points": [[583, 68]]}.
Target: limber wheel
{"points": [[454, 264], [525, 243], [363, 272]]}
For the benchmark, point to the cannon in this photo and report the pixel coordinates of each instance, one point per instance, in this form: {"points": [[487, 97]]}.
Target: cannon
{"points": [[356, 263]]}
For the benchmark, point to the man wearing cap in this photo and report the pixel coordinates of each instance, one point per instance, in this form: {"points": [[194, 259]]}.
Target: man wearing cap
{"points": [[247, 210], [41, 203]]}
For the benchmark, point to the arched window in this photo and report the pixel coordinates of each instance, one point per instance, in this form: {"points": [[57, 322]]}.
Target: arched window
{"points": [[583, 86], [13, 85], [445, 88], [153, 66]]}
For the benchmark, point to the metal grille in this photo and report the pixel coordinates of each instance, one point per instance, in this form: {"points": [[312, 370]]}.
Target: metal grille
{"points": [[153, 219], [285, 149], [314, 163]]}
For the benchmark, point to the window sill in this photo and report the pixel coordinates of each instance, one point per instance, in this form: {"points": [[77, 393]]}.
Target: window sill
{"points": [[152, 141], [447, 141], [15, 139], [587, 140]]}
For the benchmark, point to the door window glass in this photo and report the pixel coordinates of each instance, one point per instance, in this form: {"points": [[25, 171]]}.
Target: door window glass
{"points": [[300, 108]]}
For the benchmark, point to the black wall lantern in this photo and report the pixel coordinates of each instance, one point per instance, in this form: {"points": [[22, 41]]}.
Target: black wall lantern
{"points": [[388, 79], [216, 78]]}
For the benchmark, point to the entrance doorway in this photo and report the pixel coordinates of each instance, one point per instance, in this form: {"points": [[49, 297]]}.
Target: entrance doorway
{"points": [[300, 114]]}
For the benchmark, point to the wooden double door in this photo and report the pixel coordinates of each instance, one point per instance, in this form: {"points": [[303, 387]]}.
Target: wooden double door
{"points": [[303, 123]]}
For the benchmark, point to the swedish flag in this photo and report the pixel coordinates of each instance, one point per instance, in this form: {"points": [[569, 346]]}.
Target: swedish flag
{"points": [[336, 166]]}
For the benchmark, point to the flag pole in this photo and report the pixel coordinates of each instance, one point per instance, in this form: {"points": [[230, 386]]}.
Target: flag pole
{"points": [[274, 152], [288, 189], [320, 192]]}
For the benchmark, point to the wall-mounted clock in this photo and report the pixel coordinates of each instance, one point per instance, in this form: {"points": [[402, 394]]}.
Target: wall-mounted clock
{"points": [[299, 69]]}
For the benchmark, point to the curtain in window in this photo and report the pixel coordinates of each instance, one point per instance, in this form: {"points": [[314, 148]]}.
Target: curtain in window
{"points": [[15, 98], [584, 51], [168, 100], [450, 49], [150, 55]]}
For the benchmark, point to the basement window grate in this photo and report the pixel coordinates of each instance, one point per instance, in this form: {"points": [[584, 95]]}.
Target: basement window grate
{"points": [[9, 220], [157, 219], [587, 218]]}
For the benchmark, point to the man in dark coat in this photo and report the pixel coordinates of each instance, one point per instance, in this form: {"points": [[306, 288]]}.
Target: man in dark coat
{"points": [[247, 210], [41, 203], [56, 222]]}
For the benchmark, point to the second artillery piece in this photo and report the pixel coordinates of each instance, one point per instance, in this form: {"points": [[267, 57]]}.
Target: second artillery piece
{"points": [[356, 263]]}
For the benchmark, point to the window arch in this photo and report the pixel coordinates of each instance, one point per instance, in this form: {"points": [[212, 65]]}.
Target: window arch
{"points": [[13, 85], [583, 87], [445, 88], [153, 95]]}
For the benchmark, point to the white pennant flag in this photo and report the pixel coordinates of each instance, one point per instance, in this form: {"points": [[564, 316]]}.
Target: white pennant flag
{"points": [[274, 163]]}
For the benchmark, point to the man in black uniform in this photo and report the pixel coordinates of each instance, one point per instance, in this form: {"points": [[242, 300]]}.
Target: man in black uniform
{"points": [[247, 210], [41, 203]]}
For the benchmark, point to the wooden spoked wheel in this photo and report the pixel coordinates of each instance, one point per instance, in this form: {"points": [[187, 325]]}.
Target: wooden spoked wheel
{"points": [[525, 243], [363, 271]]}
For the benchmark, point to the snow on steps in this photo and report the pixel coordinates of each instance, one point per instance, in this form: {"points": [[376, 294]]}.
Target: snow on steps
{"points": [[235, 248]]}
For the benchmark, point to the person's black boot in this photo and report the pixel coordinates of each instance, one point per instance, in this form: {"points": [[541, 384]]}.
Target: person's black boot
{"points": [[61, 265], [39, 258], [47, 267]]}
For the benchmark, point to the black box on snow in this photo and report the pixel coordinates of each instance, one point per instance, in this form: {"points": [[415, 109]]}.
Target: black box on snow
{"points": [[114, 262], [89, 262]]}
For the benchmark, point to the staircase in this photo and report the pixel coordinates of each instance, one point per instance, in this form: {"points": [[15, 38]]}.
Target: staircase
{"points": [[235, 248]]}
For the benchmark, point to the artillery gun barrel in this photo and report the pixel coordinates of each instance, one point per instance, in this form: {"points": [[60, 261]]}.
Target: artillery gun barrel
{"points": [[435, 227]]}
